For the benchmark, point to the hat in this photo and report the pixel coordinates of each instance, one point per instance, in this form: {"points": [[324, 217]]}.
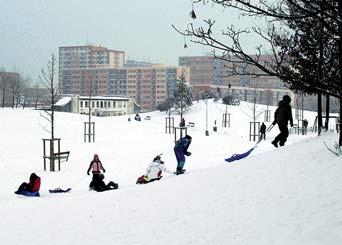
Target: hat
{"points": [[157, 158]]}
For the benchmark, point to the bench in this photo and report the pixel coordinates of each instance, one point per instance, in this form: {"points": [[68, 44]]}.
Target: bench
{"points": [[63, 156], [147, 118], [191, 124]]}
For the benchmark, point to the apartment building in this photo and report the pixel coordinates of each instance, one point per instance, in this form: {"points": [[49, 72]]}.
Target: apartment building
{"points": [[207, 71], [90, 69]]}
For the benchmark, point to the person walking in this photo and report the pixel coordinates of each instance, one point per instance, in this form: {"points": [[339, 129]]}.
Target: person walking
{"points": [[262, 131], [282, 116]]}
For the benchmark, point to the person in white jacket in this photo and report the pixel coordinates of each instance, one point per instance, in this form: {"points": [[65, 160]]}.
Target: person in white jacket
{"points": [[154, 171]]}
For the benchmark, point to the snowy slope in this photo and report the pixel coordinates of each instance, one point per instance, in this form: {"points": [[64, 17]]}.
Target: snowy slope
{"points": [[289, 195]]}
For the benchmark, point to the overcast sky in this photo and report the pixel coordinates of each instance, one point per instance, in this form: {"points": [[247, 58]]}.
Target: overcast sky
{"points": [[31, 30]]}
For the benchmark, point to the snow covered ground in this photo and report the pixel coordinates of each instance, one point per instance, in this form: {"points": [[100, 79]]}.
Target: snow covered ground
{"points": [[288, 195]]}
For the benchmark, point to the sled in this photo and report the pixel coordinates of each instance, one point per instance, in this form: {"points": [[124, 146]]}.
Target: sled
{"points": [[59, 190], [28, 193]]}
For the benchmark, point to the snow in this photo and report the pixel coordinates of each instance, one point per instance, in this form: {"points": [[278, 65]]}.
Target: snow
{"points": [[288, 195], [63, 101]]}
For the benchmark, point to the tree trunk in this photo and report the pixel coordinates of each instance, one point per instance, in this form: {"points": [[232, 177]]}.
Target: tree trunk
{"points": [[3, 97], [319, 113], [340, 131], [327, 110]]}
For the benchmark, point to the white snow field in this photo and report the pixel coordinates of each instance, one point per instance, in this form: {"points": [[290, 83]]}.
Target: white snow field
{"points": [[288, 195]]}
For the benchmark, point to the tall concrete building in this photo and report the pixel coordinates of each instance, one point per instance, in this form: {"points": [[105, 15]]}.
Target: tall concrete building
{"points": [[103, 72], [208, 72]]}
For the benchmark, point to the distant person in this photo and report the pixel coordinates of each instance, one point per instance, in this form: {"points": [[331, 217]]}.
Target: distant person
{"points": [[182, 122], [31, 188], [305, 126], [154, 171], [262, 131], [137, 117], [181, 150], [282, 116], [99, 185], [96, 168]]}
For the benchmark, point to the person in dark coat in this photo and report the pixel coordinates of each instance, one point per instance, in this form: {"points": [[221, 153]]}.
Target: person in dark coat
{"points": [[32, 188], [137, 117], [181, 150], [282, 116], [305, 126], [99, 185], [262, 131]]}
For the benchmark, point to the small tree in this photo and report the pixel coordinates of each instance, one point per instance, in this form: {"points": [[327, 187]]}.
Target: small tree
{"points": [[183, 95], [47, 78], [25, 85]]}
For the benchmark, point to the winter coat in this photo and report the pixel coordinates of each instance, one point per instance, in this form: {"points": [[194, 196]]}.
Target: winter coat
{"points": [[34, 182], [283, 114], [263, 128], [181, 148], [155, 170], [96, 165]]}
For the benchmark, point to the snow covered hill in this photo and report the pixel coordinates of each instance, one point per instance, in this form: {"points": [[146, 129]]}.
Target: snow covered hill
{"points": [[288, 195]]}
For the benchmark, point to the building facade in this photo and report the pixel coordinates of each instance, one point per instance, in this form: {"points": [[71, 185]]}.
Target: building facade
{"points": [[98, 105], [149, 84], [207, 71]]}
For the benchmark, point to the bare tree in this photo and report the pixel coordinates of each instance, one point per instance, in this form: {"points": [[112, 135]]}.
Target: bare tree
{"points": [[47, 78], [36, 96], [3, 86], [14, 85], [25, 85]]}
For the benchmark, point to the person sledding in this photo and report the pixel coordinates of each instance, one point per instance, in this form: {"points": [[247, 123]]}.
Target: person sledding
{"points": [[96, 168], [181, 150], [154, 171], [99, 185], [31, 188]]}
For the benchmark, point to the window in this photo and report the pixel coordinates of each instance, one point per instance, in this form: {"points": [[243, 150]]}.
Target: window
{"points": [[101, 104], [86, 103], [81, 103]]}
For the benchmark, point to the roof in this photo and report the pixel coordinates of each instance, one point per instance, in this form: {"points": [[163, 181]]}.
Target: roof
{"points": [[64, 101]]}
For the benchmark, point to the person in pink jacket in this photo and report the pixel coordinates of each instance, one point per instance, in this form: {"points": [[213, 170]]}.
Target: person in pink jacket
{"points": [[96, 168]]}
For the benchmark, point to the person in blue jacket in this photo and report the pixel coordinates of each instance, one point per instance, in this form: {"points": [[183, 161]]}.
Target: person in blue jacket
{"points": [[181, 150]]}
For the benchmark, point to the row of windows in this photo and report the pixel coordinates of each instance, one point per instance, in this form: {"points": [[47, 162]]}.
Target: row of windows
{"points": [[103, 104]]}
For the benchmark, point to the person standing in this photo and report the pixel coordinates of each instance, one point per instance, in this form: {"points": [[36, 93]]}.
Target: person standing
{"points": [[263, 131], [305, 126], [282, 116], [97, 169], [181, 150]]}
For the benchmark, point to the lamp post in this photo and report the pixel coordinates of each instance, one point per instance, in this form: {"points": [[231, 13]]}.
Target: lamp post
{"points": [[206, 116]]}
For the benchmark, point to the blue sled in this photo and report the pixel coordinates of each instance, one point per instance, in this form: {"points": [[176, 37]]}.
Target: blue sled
{"points": [[28, 193], [239, 156]]}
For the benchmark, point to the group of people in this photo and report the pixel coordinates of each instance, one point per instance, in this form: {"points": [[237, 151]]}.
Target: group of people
{"points": [[154, 171], [282, 116]]}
